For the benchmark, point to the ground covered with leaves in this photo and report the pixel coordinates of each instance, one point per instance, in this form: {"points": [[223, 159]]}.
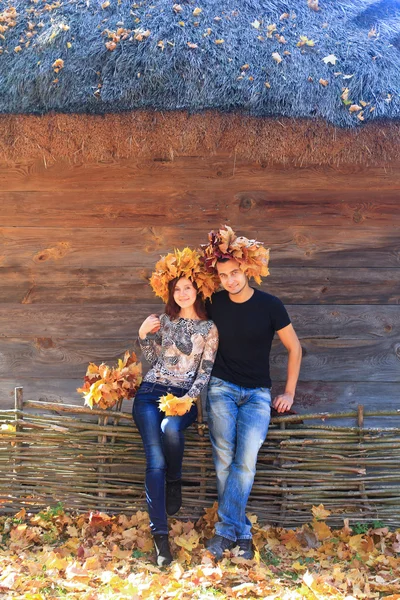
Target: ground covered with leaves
{"points": [[54, 554]]}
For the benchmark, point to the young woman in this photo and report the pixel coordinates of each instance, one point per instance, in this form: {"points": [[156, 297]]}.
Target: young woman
{"points": [[181, 346]]}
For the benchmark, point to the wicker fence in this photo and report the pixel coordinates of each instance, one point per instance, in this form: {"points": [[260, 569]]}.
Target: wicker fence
{"points": [[91, 459]]}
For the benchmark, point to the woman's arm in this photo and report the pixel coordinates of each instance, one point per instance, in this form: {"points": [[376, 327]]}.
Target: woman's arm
{"points": [[206, 363], [151, 347]]}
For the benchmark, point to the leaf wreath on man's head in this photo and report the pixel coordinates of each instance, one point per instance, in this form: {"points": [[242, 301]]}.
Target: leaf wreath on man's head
{"points": [[182, 263], [252, 256]]}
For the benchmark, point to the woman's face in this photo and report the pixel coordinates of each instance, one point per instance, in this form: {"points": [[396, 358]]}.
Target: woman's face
{"points": [[185, 294]]}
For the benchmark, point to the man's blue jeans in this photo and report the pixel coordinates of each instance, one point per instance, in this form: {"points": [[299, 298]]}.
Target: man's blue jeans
{"points": [[164, 442], [238, 420]]}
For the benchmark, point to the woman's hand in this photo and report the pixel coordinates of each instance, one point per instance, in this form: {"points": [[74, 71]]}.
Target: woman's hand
{"points": [[150, 325]]}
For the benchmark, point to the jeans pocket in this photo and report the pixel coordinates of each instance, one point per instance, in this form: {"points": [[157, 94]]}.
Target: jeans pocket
{"points": [[216, 382], [145, 388]]}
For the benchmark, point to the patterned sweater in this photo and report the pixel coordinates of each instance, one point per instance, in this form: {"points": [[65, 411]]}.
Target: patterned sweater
{"points": [[181, 353]]}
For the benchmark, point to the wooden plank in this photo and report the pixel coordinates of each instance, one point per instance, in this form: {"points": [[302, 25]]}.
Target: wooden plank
{"points": [[240, 203], [62, 391], [342, 360], [338, 396], [133, 174], [325, 396], [334, 286], [122, 321], [57, 357], [107, 247], [113, 285], [323, 359], [311, 397]]}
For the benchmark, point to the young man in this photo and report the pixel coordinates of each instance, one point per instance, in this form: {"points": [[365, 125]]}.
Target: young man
{"points": [[239, 398]]}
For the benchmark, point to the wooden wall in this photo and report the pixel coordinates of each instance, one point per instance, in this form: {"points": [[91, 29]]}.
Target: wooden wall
{"points": [[78, 241]]}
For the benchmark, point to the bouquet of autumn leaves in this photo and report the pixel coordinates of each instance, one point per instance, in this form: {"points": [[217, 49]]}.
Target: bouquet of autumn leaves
{"points": [[173, 406], [105, 386]]}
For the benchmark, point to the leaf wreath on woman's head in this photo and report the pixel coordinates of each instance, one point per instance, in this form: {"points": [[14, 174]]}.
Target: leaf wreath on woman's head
{"points": [[251, 255], [182, 263]]}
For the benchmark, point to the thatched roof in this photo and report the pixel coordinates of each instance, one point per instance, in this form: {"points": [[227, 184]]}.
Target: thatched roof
{"points": [[272, 58]]}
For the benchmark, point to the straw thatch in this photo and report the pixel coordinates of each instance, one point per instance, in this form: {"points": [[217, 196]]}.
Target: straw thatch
{"points": [[100, 57], [163, 136]]}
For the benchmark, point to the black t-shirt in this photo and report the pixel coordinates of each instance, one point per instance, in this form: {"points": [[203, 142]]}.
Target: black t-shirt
{"points": [[246, 331]]}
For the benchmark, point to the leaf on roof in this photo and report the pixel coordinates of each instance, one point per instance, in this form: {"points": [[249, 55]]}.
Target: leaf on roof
{"points": [[277, 57], [304, 41], [197, 11], [323, 82], [58, 65], [191, 45], [256, 24], [313, 4], [355, 108], [330, 59]]}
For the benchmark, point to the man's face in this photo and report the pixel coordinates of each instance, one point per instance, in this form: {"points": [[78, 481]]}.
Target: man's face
{"points": [[233, 280]]}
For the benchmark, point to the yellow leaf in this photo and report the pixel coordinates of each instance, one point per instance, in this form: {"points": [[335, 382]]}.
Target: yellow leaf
{"points": [[321, 530], [188, 541], [219, 42], [355, 108], [298, 567], [105, 4], [197, 11], [173, 406], [277, 57], [323, 82], [191, 45], [320, 513]]}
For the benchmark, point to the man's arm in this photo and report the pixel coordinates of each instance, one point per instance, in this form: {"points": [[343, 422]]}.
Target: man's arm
{"points": [[289, 339]]}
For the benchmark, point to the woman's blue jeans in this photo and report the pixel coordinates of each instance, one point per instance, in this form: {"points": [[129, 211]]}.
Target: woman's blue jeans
{"points": [[164, 442], [238, 420]]}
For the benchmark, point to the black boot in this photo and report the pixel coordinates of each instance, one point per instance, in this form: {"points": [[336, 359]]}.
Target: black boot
{"points": [[218, 544], [245, 548], [163, 552], [173, 500]]}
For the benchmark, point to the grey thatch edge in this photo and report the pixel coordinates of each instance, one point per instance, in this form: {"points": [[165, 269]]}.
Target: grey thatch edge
{"points": [[139, 74]]}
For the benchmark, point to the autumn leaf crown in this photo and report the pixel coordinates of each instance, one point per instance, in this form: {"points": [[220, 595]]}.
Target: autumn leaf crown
{"points": [[183, 263], [251, 255]]}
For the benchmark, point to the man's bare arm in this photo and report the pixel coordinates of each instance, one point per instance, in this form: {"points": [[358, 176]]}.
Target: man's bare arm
{"points": [[289, 339]]}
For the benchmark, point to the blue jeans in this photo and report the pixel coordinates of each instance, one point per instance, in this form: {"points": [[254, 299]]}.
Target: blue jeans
{"points": [[164, 442], [238, 420]]}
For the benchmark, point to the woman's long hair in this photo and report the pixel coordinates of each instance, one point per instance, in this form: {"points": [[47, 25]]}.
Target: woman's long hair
{"points": [[172, 308]]}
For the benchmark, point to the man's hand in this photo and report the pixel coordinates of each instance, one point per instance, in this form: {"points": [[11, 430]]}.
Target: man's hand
{"points": [[283, 402]]}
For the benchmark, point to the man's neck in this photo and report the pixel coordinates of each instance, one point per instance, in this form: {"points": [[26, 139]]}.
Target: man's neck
{"points": [[244, 295]]}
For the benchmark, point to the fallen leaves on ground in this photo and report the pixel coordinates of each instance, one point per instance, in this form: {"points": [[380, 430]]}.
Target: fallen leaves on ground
{"points": [[97, 556]]}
